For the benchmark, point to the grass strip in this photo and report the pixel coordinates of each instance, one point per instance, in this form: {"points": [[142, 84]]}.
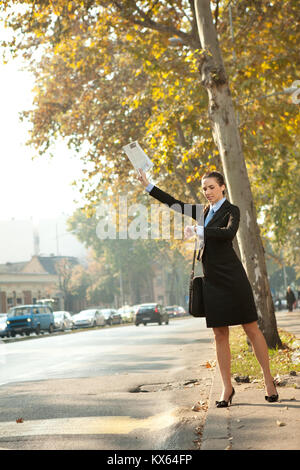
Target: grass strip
{"points": [[245, 363]]}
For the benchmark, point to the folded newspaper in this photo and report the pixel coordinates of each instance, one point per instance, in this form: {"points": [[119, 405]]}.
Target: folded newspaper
{"points": [[137, 156]]}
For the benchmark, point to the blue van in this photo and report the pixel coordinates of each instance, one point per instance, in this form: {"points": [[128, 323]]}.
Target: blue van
{"points": [[29, 319]]}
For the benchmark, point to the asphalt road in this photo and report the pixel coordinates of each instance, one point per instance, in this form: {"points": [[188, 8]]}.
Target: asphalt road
{"points": [[112, 388]]}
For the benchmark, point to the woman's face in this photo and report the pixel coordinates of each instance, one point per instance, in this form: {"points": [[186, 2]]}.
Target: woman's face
{"points": [[211, 190]]}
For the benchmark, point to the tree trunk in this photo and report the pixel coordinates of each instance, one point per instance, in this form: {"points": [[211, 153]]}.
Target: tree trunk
{"points": [[227, 138]]}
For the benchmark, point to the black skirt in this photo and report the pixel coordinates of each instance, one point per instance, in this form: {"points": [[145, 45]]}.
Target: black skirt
{"points": [[227, 294]]}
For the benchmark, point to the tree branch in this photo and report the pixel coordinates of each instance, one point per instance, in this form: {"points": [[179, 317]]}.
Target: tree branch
{"points": [[187, 39], [217, 13], [207, 33]]}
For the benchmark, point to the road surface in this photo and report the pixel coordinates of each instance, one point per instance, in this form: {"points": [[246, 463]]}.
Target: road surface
{"points": [[113, 388]]}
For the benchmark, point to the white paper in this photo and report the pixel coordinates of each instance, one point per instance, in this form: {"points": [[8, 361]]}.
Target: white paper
{"points": [[137, 156]]}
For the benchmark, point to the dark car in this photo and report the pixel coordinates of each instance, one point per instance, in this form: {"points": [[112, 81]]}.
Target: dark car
{"points": [[112, 317], [151, 313], [175, 311]]}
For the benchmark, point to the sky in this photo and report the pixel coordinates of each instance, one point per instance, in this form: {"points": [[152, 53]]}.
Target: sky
{"points": [[39, 188], [36, 195]]}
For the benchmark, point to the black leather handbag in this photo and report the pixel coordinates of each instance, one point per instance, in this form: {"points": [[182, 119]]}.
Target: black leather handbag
{"points": [[196, 303]]}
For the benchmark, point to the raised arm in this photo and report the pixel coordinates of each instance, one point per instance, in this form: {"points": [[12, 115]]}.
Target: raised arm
{"points": [[192, 210]]}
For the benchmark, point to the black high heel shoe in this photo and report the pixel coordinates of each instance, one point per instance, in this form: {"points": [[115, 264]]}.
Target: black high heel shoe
{"points": [[272, 398], [224, 403]]}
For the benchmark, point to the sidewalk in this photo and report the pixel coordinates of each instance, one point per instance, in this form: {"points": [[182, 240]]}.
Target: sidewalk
{"points": [[251, 423]]}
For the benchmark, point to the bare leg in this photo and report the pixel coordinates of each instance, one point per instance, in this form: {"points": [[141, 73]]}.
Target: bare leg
{"points": [[261, 352], [224, 359]]}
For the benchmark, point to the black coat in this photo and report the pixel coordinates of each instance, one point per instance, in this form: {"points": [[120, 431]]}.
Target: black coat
{"points": [[290, 297], [227, 293]]}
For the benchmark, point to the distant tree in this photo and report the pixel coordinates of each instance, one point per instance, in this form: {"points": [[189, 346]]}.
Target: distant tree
{"points": [[91, 51]]}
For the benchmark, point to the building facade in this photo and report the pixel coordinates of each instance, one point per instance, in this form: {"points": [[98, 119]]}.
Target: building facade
{"points": [[27, 282]]}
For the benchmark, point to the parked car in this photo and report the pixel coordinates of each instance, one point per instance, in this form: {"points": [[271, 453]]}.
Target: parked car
{"points": [[151, 313], [127, 313], [3, 326], [63, 320], [30, 318], [112, 317], [88, 318], [280, 304], [181, 311], [135, 309], [175, 311]]}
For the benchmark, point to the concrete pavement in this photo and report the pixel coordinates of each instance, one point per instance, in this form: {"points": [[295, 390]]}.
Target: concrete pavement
{"points": [[121, 388], [251, 423]]}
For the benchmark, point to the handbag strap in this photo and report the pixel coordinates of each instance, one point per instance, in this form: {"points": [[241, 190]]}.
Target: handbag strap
{"points": [[194, 258], [195, 249]]}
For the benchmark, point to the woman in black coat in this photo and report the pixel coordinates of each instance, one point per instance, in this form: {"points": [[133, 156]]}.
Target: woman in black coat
{"points": [[227, 293]]}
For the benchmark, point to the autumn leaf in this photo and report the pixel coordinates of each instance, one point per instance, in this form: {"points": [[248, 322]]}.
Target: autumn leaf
{"points": [[280, 423], [104, 75]]}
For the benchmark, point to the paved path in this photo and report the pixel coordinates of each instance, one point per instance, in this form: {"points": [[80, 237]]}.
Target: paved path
{"points": [[251, 423]]}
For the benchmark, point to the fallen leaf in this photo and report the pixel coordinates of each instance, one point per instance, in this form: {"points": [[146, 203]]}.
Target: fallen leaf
{"points": [[280, 423], [200, 405], [199, 430], [196, 407]]}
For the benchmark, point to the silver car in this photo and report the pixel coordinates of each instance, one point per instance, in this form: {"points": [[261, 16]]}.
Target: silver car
{"points": [[63, 320], [88, 318]]}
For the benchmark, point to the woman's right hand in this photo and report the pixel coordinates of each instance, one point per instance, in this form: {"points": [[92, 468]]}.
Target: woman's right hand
{"points": [[189, 231], [142, 178]]}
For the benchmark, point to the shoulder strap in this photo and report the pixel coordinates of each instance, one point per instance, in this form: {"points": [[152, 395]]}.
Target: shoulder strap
{"points": [[194, 257]]}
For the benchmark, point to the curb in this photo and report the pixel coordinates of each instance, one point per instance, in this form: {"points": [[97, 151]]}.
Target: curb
{"points": [[216, 434]]}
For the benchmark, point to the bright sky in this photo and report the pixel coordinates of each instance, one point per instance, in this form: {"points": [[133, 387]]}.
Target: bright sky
{"points": [[39, 188]]}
